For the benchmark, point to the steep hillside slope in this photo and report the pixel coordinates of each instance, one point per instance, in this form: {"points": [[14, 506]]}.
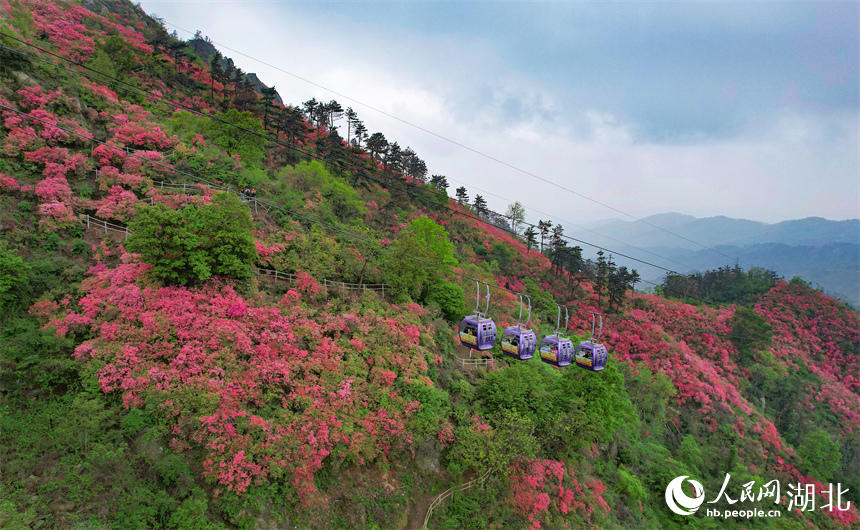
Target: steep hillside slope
{"points": [[177, 353]]}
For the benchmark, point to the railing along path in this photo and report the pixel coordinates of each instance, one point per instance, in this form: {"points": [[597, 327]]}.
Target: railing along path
{"points": [[106, 226], [447, 493], [342, 286], [475, 361], [93, 222]]}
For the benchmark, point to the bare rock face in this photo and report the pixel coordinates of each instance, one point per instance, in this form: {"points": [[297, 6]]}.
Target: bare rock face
{"points": [[25, 79], [205, 49], [152, 447], [259, 85], [427, 455]]}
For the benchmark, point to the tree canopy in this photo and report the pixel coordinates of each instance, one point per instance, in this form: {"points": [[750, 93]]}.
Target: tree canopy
{"points": [[191, 245]]}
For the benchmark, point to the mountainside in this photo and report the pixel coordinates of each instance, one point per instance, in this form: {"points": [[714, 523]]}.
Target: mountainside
{"points": [[176, 352]]}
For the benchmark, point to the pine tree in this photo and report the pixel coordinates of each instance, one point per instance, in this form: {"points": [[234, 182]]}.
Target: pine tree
{"points": [[600, 280], [531, 236], [228, 74], [310, 109], [268, 97], [394, 158], [377, 145], [334, 112], [543, 228], [360, 133], [574, 263], [216, 71], [617, 286], [634, 279], [238, 76], [462, 196], [480, 206], [558, 247], [440, 182], [351, 120]]}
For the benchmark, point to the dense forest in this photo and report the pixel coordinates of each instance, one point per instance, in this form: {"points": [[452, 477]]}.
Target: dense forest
{"points": [[223, 311]]}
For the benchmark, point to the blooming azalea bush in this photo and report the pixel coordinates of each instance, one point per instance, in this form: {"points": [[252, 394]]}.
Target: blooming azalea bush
{"points": [[541, 489], [264, 391]]}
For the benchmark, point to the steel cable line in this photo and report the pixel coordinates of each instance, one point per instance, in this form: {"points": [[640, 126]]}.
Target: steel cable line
{"points": [[461, 145], [551, 216], [314, 155], [264, 203], [272, 205], [348, 163]]}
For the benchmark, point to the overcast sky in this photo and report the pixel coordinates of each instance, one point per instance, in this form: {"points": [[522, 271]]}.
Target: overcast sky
{"points": [[720, 108]]}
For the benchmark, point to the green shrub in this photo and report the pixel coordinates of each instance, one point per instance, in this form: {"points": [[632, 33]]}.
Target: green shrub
{"points": [[51, 242], [12, 274], [135, 421], [450, 298], [629, 484], [85, 191], [80, 248], [171, 468], [820, 454], [193, 244], [434, 407]]}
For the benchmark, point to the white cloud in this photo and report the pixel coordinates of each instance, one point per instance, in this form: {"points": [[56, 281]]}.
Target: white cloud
{"points": [[786, 166]]}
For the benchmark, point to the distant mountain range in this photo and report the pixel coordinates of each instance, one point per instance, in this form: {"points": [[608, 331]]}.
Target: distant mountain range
{"points": [[823, 252]]}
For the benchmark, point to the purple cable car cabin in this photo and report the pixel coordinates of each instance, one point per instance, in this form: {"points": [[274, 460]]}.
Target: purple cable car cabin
{"points": [[591, 356], [519, 343], [556, 350], [478, 333]]}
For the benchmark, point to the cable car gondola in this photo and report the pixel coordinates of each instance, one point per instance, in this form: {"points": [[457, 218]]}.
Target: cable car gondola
{"points": [[557, 349], [590, 354], [477, 331], [518, 341]]}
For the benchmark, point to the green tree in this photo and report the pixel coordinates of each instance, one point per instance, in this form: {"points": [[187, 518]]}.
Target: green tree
{"points": [[216, 72], [377, 145], [269, 94], [507, 439], [517, 214], [236, 141], [604, 398], [691, 454], [193, 244], [543, 228], [521, 387], [820, 455], [360, 132], [749, 332], [440, 182], [12, 274], [531, 237], [450, 298], [351, 120], [424, 239], [480, 206]]}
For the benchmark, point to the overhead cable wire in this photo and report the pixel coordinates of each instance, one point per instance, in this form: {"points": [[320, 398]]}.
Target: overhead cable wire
{"points": [[320, 157], [268, 204], [461, 145], [264, 203]]}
